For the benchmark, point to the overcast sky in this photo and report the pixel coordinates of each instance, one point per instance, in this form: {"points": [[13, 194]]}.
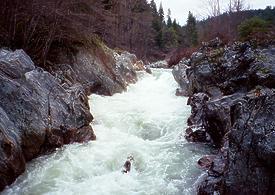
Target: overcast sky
{"points": [[180, 8]]}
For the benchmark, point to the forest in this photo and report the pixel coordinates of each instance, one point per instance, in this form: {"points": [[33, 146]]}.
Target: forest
{"points": [[43, 27]]}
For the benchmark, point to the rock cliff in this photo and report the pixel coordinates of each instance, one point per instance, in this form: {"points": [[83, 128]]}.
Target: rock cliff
{"points": [[43, 109], [231, 92]]}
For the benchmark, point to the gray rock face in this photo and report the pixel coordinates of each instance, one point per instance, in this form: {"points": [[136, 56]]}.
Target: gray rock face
{"points": [[252, 146], [37, 113], [180, 75], [100, 70], [231, 92], [42, 110], [227, 70], [196, 131], [246, 158]]}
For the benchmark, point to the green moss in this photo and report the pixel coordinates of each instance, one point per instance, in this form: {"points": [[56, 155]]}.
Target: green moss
{"points": [[216, 53], [261, 57], [264, 70]]}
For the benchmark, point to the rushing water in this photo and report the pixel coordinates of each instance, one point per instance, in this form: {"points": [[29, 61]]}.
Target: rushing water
{"points": [[146, 122]]}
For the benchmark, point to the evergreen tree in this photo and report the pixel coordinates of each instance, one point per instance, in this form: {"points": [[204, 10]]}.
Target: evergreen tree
{"points": [[153, 7], [161, 13], [169, 20], [191, 30], [167, 35], [170, 38], [175, 24], [158, 24]]}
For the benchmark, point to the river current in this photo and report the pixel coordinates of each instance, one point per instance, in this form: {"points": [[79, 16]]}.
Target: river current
{"points": [[147, 122]]}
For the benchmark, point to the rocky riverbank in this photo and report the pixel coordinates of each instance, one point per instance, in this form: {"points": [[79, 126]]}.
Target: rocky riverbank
{"points": [[231, 92], [43, 109]]}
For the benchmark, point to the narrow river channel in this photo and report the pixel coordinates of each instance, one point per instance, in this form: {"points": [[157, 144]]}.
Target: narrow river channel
{"points": [[146, 122]]}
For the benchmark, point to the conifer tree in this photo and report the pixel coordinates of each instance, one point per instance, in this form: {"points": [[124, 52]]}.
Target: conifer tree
{"points": [[191, 30], [153, 7], [169, 20], [161, 13], [175, 24]]}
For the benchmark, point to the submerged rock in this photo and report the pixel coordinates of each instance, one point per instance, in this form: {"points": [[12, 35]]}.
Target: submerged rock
{"points": [[37, 113]]}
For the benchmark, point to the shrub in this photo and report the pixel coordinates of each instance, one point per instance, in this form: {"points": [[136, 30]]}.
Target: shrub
{"points": [[252, 26], [176, 56]]}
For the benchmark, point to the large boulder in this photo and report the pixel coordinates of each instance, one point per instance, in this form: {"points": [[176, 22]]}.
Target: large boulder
{"points": [[211, 118], [231, 92], [180, 75], [246, 158], [37, 113], [196, 131], [226, 70], [100, 70], [252, 146], [263, 71], [129, 60]]}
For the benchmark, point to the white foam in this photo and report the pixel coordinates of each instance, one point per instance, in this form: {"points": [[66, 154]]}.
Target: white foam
{"points": [[145, 122]]}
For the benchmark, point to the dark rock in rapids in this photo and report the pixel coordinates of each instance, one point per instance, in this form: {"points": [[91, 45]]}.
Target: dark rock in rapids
{"points": [[231, 92], [37, 114]]}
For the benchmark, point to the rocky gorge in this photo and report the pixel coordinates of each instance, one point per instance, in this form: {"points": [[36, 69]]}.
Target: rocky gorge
{"points": [[231, 92], [43, 109], [67, 79]]}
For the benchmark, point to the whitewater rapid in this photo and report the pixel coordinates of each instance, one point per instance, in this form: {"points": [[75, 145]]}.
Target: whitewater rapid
{"points": [[146, 122]]}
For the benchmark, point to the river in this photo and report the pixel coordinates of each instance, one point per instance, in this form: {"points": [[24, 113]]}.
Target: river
{"points": [[146, 122]]}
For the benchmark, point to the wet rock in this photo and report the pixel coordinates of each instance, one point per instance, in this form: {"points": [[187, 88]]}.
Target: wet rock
{"points": [[231, 92], [159, 64], [226, 70], [180, 75], [243, 125], [196, 131], [213, 181], [217, 116], [197, 135], [251, 146], [131, 61], [197, 103], [211, 185], [180, 92], [206, 162], [37, 113], [148, 70]]}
